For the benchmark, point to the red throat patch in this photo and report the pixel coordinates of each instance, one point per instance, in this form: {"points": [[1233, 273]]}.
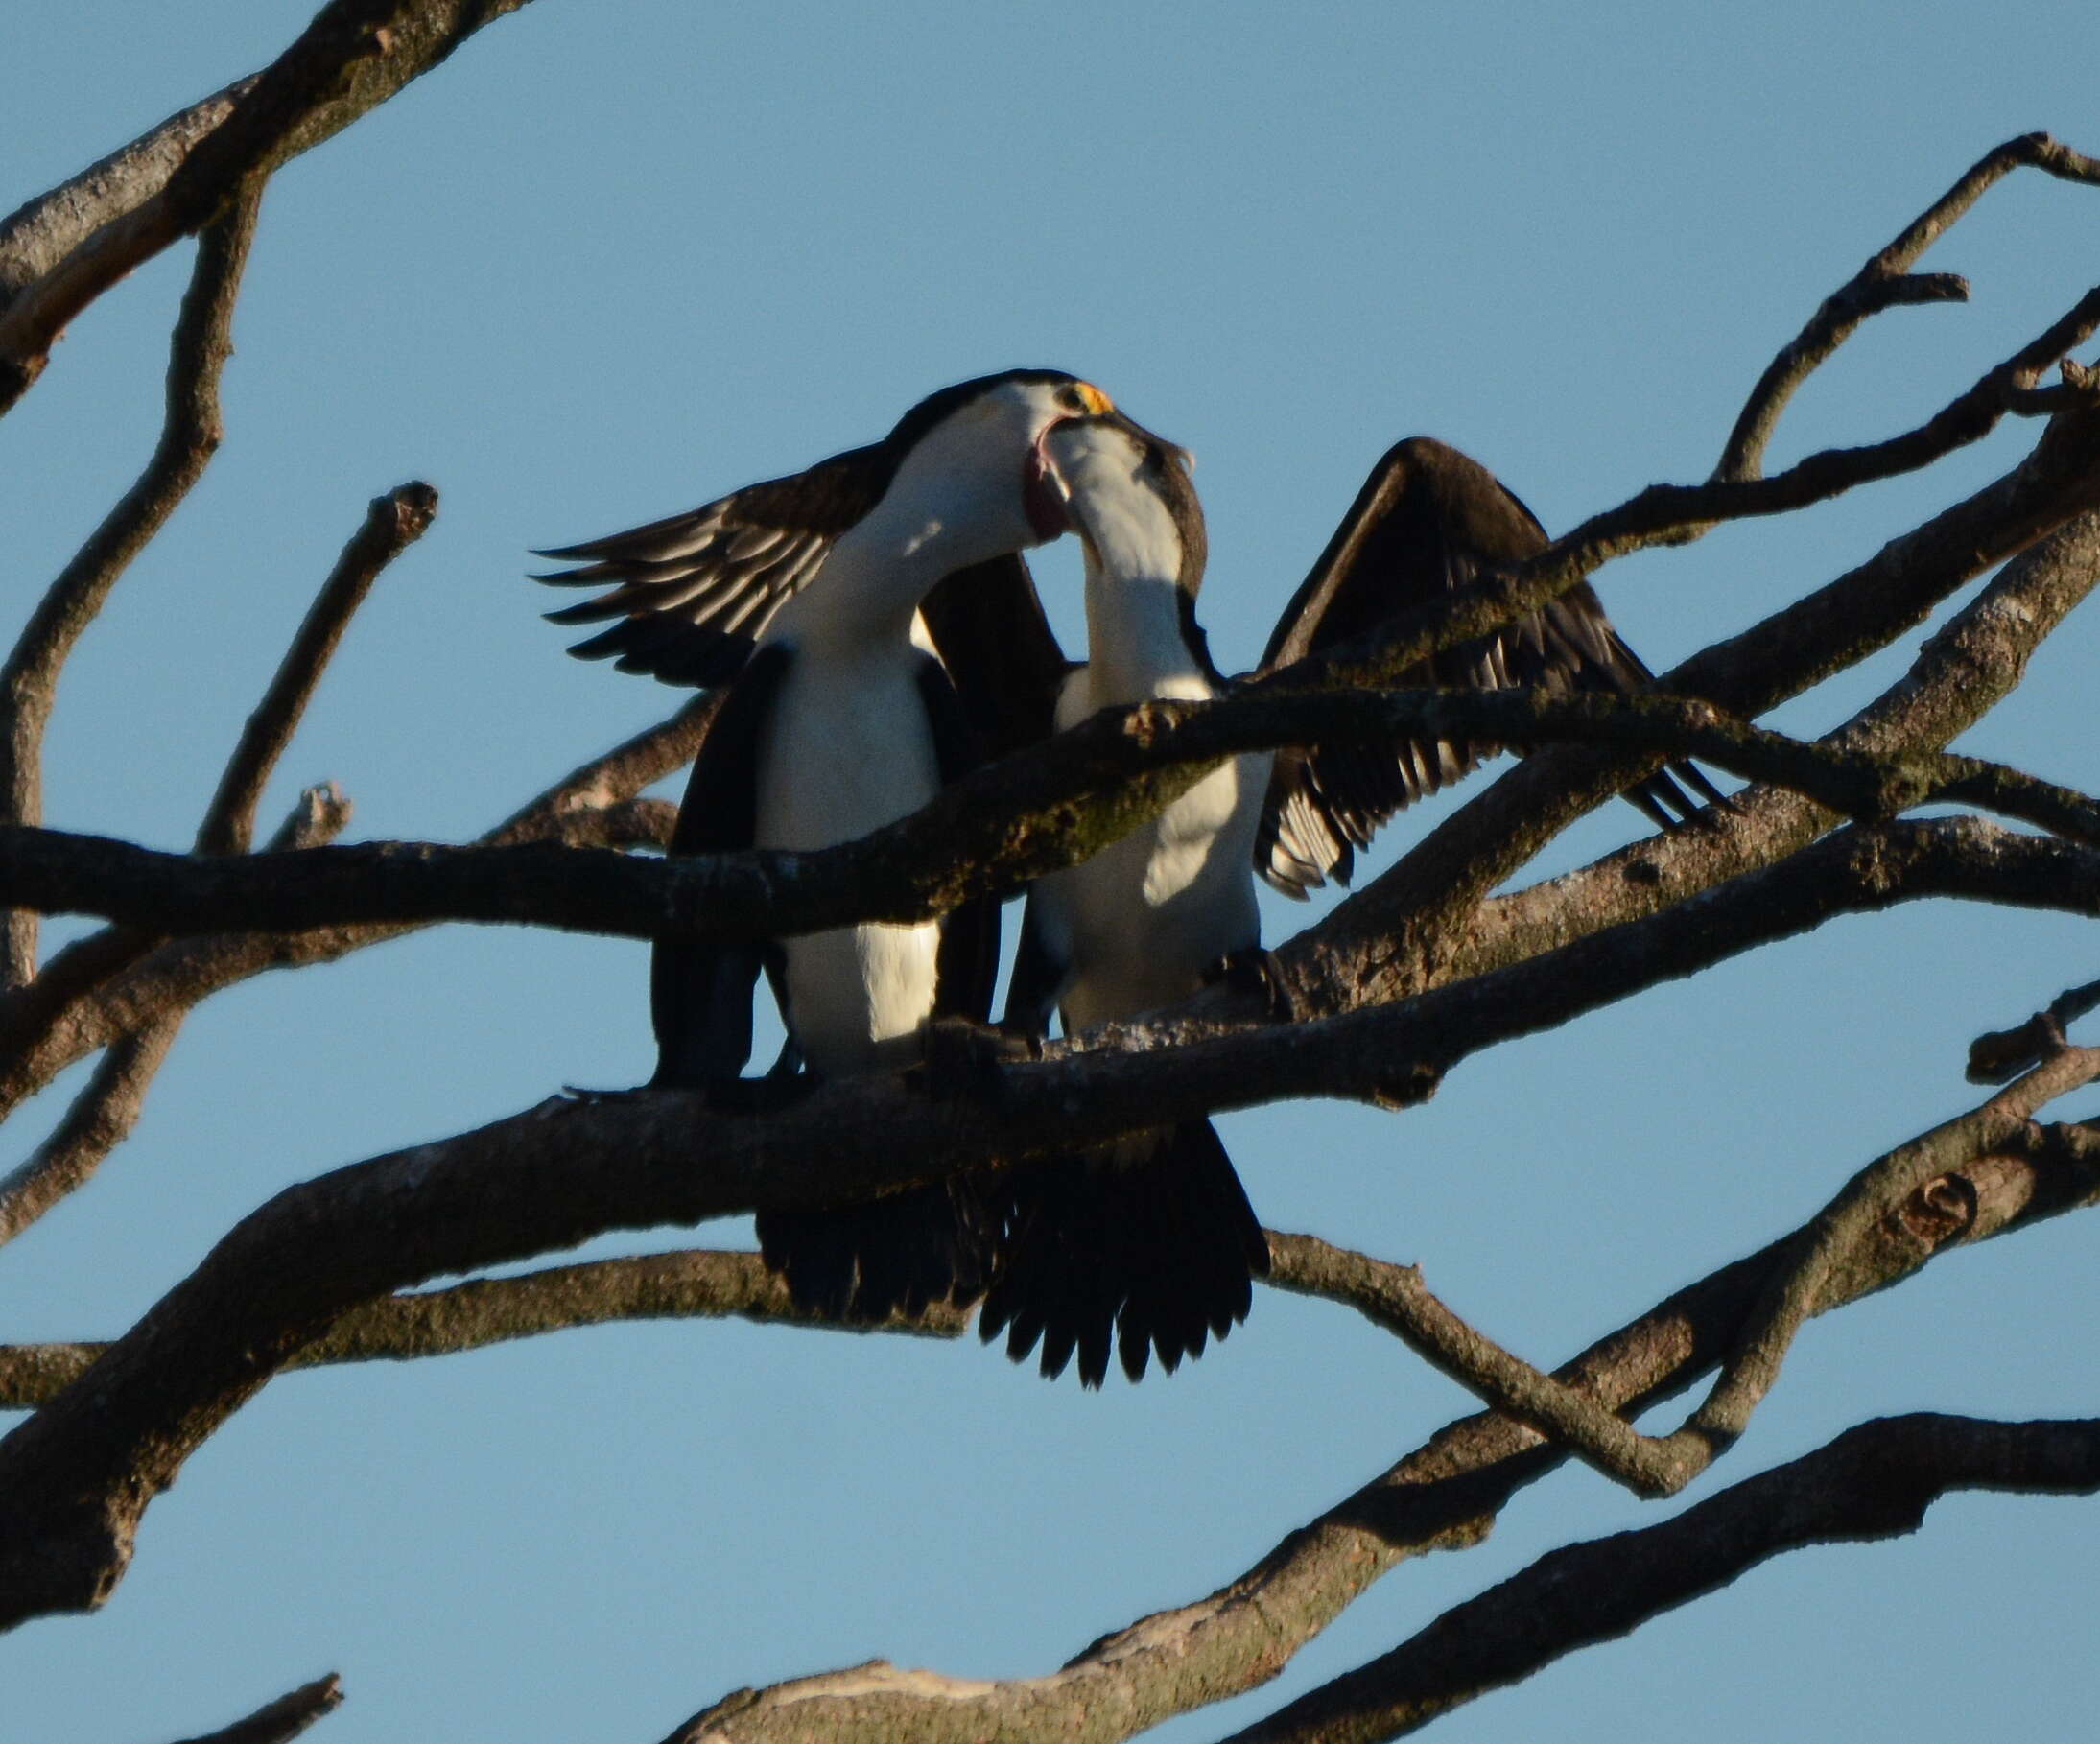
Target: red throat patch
{"points": [[1040, 497]]}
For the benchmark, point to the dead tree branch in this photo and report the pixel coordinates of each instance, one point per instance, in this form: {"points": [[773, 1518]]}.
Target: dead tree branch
{"points": [[695, 1285], [1662, 1465], [105, 1113], [393, 522], [190, 434], [354, 56], [1874, 1481], [1884, 282], [76, 1478], [1444, 1496], [280, 1721], [86, 1002], [109, 1104]]}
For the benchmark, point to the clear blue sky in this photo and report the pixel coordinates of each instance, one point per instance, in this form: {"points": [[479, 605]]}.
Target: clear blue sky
{"points": [[613, 260]]}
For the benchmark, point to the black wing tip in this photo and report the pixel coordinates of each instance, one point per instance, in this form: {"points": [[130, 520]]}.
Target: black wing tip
{"points": [[696, 658], [1662, 800]]}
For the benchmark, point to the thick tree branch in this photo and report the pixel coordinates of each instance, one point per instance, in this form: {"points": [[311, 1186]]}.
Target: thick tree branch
{"points": [[354, 56], [1884, 282], [190, 434], [1874, 1481], [393, 522], [1444, 1496], [975, 840], [39, 234], [695, 1285], [76, 1478], [88, 1001], [280, 1721]]}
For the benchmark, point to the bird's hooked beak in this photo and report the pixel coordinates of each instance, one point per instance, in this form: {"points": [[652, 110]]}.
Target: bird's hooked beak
{"points": [[1043, 493]]}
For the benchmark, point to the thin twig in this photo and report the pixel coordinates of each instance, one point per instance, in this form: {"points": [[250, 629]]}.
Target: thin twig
{"points": [[393, 522], [280, 1721], [1884, 282]]}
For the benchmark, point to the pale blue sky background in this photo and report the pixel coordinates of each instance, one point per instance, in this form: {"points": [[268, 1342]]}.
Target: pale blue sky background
{"points": [[615, 259]]}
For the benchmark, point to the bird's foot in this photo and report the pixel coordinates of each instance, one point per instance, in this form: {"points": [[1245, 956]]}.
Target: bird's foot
{"points": [[961, 1059], [1254, 972]]}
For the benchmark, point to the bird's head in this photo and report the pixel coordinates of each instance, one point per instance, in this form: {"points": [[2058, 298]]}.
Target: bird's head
{"points": [[985, 439], [1128, 495]]}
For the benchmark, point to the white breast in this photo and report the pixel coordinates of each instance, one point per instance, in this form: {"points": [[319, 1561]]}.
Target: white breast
{"points": [[1141, 921], [847, 750]]}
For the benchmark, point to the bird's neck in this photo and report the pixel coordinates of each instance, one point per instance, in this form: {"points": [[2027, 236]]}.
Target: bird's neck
{"points": [[923, 531], [1137, 646]]}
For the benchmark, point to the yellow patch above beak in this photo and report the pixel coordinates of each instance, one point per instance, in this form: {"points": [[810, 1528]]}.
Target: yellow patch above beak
{"points": [[1096, 402]]}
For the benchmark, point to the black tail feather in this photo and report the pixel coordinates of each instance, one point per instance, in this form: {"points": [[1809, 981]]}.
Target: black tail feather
{"points": [[901, 1253], [1143, 1252]]}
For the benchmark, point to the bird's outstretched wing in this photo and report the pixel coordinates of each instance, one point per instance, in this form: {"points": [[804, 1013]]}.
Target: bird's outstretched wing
{"points": [[691, 592], [1427, 521]]}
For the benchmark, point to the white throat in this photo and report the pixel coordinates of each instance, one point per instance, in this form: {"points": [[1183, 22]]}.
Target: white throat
{"points": [[956, 500], [1137, 645]]}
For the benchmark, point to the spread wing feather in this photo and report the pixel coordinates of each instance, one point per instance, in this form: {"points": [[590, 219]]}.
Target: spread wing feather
{"points": [[691, 593], [1428, 520]]}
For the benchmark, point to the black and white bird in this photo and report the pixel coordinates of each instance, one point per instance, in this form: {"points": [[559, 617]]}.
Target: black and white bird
{"points": [[1430, 520], [1152, 1243], [1148, 1243], [803, 594]]}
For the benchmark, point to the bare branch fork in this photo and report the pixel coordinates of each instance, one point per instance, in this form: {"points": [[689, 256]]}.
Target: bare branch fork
{"points": [[1442, 1496], [109, 1107], [354, 56], [1874, 1481]]}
